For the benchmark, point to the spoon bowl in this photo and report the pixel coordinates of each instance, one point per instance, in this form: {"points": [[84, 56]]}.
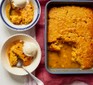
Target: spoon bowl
{"points": [[20, 65]]}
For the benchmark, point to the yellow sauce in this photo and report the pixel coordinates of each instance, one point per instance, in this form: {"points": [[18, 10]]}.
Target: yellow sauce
{"points": [[62, 59]]}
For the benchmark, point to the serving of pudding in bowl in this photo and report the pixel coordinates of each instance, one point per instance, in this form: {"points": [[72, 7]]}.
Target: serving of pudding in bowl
{"points": [[19, 50], [20, 19], [20, 16], [20, 47]]}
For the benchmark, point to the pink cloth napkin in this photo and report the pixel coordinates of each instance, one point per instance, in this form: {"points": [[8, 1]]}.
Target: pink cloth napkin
{"points": [[42, 74]]}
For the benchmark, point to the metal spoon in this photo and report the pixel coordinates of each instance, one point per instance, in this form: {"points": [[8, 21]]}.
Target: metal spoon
{"points": [[20, 65], [11, 8]]}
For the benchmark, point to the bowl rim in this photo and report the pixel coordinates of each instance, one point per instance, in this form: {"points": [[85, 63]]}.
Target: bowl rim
{"points": [[20, 34], [30, 26]]}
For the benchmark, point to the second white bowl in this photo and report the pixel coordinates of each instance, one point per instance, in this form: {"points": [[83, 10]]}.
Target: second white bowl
{"points": [[5, 60]]}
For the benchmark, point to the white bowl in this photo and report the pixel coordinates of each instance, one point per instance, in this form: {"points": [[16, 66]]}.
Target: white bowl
{"points": [[10, 25], [5, 60]]}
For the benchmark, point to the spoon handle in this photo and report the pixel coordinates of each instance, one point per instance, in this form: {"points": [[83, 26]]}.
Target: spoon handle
{"points": [[39, 82]]}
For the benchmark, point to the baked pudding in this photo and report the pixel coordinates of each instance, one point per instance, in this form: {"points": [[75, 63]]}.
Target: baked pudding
{"points": [[70, 37]]}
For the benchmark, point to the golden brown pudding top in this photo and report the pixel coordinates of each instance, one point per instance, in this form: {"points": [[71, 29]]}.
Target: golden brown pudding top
{"points": [[70, 26]]}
